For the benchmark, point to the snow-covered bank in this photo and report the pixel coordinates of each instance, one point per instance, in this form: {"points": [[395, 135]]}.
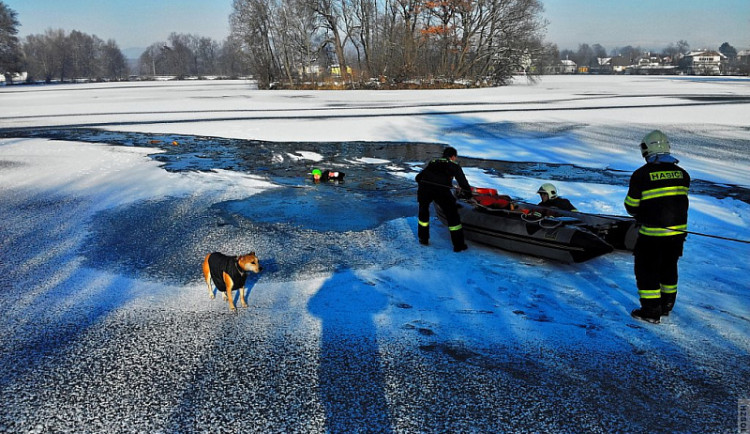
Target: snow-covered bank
{"points": [[108, 326]]}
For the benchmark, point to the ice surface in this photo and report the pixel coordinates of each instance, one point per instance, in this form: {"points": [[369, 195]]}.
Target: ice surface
{"points": [[107, 324]]}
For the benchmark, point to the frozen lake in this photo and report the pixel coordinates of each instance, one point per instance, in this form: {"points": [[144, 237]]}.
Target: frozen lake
{"points": [[112, 194]]}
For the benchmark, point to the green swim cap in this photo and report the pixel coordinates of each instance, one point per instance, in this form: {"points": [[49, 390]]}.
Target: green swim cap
{"points": [[316, 172]]}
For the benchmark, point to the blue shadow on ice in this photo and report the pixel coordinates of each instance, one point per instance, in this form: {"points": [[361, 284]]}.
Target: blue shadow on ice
{"points": [[350, 376], [48, 300], [55, 320]]}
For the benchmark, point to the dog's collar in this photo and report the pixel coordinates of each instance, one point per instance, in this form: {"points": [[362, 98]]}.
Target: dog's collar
{"points": [[237, 266]]}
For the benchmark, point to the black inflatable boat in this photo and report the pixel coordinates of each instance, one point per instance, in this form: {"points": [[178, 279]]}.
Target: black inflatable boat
{"points": [[565, 236]]}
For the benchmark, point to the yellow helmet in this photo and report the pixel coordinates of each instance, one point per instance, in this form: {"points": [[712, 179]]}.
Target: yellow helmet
{"points": [[654, 143]]}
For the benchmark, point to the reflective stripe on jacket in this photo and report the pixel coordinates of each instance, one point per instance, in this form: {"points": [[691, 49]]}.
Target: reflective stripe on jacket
{"points": [[658, 199]]}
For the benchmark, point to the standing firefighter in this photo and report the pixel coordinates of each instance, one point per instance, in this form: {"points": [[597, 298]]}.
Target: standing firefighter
{"points": [[658, 199], [435, 183]]}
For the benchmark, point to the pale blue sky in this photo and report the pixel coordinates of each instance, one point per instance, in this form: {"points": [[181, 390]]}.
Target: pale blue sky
{"points": [[131, 23], [650, 24]]}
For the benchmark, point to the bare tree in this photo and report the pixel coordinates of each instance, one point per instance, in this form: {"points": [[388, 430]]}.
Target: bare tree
{"points": [[387, 56], [180, 56], [10, 47], [334, 15], [598, 51], [284, 23], [629, 52], [252, 24], [56, 55], [61, 52], [683, 46], [38, 58], [185, 55], [475, 39], [84, 53], [408, 30], [549, 57], [584, 55], [676, 51], [206, 55], [232, 60], [364, 34], [152, 62], [48, 55], [305, 36], [112, 63], [513, 39]]}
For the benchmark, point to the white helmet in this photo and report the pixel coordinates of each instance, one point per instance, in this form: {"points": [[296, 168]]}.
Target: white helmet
{"points": [[654, 143], [549, 190]]}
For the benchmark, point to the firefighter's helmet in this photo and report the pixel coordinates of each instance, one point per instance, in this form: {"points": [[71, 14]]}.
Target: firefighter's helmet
{"points": [[549, 190], [654, 143]]}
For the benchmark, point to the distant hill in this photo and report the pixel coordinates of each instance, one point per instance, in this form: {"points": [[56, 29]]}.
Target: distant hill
{"points": [[133, 52]]}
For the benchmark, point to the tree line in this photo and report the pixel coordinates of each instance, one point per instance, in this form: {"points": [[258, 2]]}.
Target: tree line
{"points": [[589, 55], [296, 41], [57, 55], [352, 43], [190, 55], [11, 59]]}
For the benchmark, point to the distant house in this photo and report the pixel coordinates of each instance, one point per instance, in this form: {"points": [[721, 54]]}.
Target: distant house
{"points": [[743, 61], [336, 70], [602, 66], [619, 64], [653, 65], [563, 67], [14, 78], [704, 62], [309, 70], [609, 65], [568, 66]]}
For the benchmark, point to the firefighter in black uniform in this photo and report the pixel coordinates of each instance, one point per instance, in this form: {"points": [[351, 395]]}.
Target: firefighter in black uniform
{"points": [[435, 183], [548, 193], [658, 199]]}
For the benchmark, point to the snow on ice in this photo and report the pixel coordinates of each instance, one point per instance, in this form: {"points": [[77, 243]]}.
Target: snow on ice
{"points": [[353, 326]]}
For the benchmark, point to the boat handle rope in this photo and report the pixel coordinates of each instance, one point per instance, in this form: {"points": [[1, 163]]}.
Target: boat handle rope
{"points": [[710, 236], [556, 223], [541, 221]]}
